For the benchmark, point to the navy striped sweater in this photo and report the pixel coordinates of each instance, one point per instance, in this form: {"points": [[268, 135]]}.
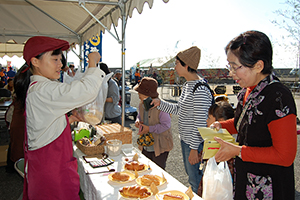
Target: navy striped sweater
{"points": [[192, 111]]}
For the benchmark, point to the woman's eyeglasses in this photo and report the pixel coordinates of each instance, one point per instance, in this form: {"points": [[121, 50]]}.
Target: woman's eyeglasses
{"points": [[233, 69]]}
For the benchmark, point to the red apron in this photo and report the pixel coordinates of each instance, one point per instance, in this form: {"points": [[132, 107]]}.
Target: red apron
{"points": [[51, 170]]}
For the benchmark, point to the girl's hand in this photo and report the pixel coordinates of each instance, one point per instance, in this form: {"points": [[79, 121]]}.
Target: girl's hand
{"points": [[155, 102], [94, 58], [143, 129], [137, 124], [227, 150], [216, 125], [73, 118]]}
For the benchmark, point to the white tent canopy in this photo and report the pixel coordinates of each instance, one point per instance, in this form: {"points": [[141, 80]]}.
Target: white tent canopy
{"points": [[73, 20]]}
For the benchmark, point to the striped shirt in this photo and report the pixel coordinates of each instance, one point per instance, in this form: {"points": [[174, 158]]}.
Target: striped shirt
{"points": [[192, 110]]}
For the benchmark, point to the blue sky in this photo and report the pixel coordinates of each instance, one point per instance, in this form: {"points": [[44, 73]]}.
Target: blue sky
{"points": [[210, 25]]}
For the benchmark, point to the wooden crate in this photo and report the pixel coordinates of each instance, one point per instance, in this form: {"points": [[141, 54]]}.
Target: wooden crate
{"points": [[115, 131]]}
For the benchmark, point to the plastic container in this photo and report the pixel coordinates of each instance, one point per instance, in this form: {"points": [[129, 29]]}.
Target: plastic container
{"points": [[114, 147]]}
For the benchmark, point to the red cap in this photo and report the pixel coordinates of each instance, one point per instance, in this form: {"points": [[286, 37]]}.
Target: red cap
{"points": [[40, 44]]}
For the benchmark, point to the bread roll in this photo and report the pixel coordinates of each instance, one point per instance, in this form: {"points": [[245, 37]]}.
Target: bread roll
{"points": [[146, 180], [135, 192], [118, 176], [134, 166], [170, 196]]}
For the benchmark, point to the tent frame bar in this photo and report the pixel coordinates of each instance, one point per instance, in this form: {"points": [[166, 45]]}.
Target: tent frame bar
{"points": [[60, 23], [82, 4], [121, 4]]}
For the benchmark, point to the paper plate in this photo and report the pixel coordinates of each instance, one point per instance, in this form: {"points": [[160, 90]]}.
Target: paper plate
{"points": [[161, 181], [131, 177], [160, 195], [130, 152], [132, 198]]}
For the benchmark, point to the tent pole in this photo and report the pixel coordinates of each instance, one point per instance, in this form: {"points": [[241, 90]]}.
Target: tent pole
{"points": [[123, 61]]}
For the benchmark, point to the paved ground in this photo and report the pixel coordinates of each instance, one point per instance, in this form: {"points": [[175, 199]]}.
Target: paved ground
{"points": [[11, 185]]}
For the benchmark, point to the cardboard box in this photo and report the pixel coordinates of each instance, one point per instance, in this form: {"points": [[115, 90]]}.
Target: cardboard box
{"points": [[3, 154], [115, 131]]}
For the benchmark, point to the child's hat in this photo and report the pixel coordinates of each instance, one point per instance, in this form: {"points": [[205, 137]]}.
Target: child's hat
{"points": [[147, 86], [40, 44], [190, 57]]}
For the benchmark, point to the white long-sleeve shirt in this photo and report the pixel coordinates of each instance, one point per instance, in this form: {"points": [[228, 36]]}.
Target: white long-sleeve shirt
{"points": [[192, 110], [48, 101]]}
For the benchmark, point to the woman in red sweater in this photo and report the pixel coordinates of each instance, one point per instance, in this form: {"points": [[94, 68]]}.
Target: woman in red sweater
{"points": [[265, 121]]}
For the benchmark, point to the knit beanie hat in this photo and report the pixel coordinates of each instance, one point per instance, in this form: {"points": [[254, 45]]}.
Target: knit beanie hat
{"points": [[190, 57]]}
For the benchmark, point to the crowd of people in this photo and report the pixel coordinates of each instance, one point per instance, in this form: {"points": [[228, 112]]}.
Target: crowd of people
{"points": [[6, 80], [264, 119]]}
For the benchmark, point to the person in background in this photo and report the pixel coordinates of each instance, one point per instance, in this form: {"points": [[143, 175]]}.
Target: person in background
{"points": [[71, 71], [3, 77], [112, 109], [265, 120], [11, 73], [192, 109], [16, 121], [118, 77], [137, 76], [154, 121], [10, 85], [50, 168], [220, 111], [64, 69], [154, 75]]}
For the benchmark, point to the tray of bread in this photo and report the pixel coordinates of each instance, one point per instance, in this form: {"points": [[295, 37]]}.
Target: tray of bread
{"points": [[135, 166], [171, 195], [147, 179], [121, 177], [135, 192]]}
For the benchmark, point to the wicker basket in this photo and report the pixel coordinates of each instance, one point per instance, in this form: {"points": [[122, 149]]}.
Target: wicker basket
{"points": [[90, 150]]}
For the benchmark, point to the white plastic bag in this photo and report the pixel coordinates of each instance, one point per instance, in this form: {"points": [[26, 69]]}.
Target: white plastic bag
{"points": [[217, 181], [92, 113]]}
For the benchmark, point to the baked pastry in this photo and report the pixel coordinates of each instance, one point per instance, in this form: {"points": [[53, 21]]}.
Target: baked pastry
{"points": [[147, 179], [170, 196], [135, 192], [118, 176], [134, 165]]}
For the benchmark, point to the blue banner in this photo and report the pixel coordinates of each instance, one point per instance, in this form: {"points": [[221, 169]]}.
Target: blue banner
{"points": [[92, 45]]}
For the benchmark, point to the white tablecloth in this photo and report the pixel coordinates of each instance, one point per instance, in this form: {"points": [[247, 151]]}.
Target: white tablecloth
{"points": [[98, 186]]}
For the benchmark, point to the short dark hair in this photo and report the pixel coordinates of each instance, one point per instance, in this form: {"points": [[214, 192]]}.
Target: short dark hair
{"points": [[221, 109], [250, 47], [191, 70], [104, 68]]}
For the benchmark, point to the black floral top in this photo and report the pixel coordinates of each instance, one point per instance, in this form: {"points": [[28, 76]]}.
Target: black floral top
{"points": [[269, 100]]}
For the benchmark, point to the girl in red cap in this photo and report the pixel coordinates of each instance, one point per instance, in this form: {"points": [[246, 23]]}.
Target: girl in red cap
{"points": [[50, 168]]}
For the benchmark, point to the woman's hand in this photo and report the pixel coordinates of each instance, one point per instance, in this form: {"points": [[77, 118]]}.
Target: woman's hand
{"points": [[194, 157], [155, 102], [216, 125], [94, 58], [227, 150]]}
